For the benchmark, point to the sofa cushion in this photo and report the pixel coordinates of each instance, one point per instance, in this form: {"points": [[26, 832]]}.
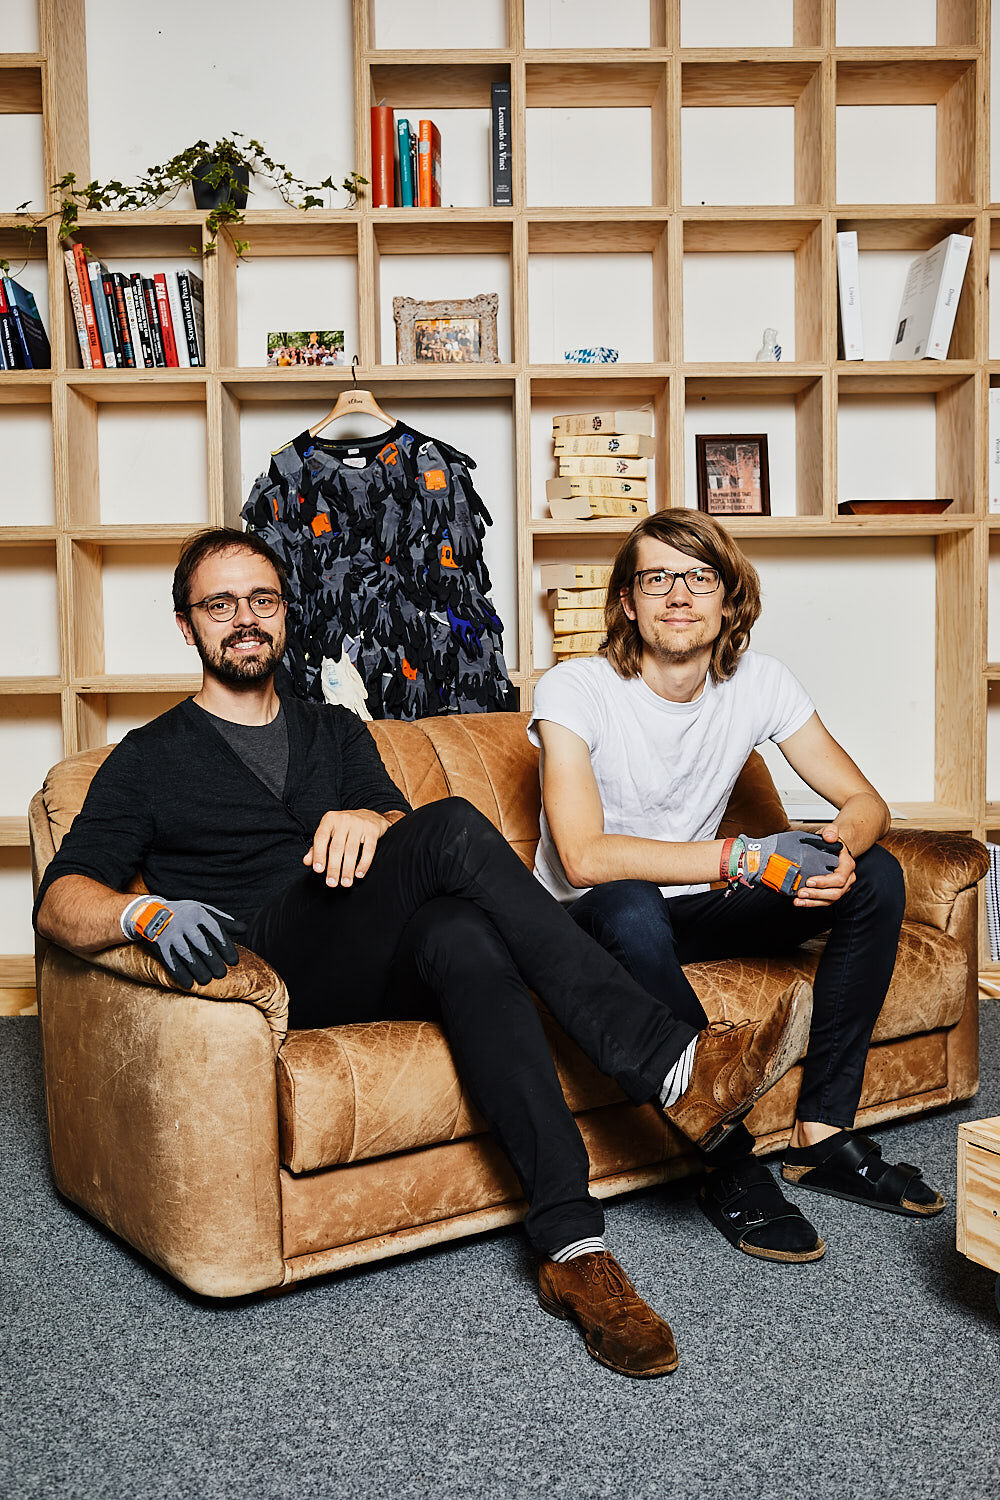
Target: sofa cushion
{"points": [[352, 1093]]}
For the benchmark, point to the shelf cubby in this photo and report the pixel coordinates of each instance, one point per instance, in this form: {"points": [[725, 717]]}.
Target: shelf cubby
{"points": [[398, 24], [636, 24], [913, 429], [114, 583], [30, 646], [909, 23], [31, 735], [753, 24], [600, 283], [27, 494]]}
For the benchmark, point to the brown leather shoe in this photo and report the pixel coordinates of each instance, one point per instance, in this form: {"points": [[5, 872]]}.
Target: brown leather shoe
{"points": [[734, 1065], [622, 1332]]}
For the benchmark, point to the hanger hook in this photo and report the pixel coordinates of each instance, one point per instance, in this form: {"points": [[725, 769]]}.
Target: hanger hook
{"points": [[354, 367]]}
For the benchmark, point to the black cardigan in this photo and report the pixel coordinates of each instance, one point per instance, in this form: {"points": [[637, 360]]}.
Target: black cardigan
{"points": [[176, 803]]}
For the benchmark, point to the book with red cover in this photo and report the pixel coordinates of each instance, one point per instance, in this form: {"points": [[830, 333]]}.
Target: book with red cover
{"points": [[89, 316], [383, 143], [429, 165], [166, 322]]}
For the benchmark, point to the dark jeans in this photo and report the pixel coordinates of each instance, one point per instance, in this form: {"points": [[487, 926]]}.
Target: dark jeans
{"points": [[449, 925], [652, 936]]}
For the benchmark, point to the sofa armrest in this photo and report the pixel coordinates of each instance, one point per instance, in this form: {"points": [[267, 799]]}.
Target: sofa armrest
{"points": [[252, 980], [163, 1121], [937, 867]]}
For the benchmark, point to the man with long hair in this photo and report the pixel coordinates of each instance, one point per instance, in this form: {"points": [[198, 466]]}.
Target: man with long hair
{"points": [[641, 747]]}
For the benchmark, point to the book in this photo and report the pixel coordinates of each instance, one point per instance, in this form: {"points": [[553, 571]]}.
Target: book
{"points": [[142, 318], [95, 271], [382, 157], [596, 508], [87, 300], [76, 303], [166, 322], [196, 287], [587, 484], [852, 342], [993, 900], [501, 172], [930, 300], [584, 643], [407, 198], [135, 333], [153, 318], [187, 318], [121, 313], [598, 445], [581, 423], [580, 598], [428, 165], [575, 575], [34, 341], [177, 320], [566, 621], [625, 468], [13, 355], [994, 453], [108, 284]]}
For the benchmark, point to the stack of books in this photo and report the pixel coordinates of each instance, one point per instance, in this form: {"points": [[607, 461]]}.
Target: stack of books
{"points": [[133, 321], [24, 344], [602, 459], [579, 591], [406, 162]]}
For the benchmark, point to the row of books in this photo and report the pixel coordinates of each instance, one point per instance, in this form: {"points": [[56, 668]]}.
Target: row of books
{"points": [[928, 306], [406, 164], [132, 321], [602, 458], [24, 344], [578, 591]]}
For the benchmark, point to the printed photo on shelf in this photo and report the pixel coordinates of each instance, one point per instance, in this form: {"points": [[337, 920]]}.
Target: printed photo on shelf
{"points": [[446, 333], [732, 474], [289, 350]]}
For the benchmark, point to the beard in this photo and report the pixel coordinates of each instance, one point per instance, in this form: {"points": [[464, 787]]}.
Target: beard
{"points": [[665, 646], [223, 663]]}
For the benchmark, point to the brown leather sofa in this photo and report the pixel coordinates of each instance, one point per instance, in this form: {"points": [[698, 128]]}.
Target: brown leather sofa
{"points": [[238, 1157]]}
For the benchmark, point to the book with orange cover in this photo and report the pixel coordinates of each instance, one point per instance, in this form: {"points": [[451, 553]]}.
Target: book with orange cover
{"points": [[429, 165], [383, 154]]}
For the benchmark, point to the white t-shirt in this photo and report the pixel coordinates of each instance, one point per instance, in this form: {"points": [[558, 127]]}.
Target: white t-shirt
{"points": [[664, 770]]}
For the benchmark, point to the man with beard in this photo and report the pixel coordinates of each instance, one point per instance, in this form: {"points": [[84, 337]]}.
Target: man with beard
{"points": [[250, 810], [641, 747]]}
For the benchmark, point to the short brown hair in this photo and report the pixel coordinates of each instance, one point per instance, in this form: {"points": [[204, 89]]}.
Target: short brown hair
{"points": [[702, 537], [213, 539]]}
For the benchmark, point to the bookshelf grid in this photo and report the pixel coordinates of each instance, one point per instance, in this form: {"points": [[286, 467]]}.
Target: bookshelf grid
{"points": [[810, 84]]}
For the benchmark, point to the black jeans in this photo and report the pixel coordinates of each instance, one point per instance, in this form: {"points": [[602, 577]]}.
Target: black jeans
{"points": [[449, 925], [652, 936]]}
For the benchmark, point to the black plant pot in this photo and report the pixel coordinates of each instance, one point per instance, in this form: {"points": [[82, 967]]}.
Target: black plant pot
{"points": [[207, 196]]}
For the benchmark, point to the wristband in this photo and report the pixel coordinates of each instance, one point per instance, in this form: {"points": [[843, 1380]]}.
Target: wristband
{"points": [[724, 859], [146, 917]]}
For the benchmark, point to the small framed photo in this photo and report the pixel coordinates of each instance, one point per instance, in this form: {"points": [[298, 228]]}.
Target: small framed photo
{"points": [[732, 474], [293, 350], [446, 333]]}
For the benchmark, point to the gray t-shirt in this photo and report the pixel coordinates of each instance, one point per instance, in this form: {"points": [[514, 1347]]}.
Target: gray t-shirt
{"points": [[263, 748]]}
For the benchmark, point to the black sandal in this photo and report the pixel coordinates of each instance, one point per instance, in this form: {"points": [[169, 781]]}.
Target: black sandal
{"points": [[850, 1166], [746, 1204]]}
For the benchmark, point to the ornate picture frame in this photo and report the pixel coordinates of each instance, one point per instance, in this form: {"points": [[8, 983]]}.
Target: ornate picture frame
{"points": [[459, 332], [732, 471]]}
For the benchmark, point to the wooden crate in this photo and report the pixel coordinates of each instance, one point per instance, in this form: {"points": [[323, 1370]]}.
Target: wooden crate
{"points": [[978, 1226]]}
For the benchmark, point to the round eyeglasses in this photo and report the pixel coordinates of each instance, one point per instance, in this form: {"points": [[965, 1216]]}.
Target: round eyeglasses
{"points": [[659, 581], [223, 607]]}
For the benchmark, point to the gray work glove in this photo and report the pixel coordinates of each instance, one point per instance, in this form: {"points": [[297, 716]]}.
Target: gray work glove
{"points": [[192, 940], [783, 861]]}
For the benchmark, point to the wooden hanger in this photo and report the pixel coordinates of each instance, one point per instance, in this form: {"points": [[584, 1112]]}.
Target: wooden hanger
{"points": [[354, 401]]}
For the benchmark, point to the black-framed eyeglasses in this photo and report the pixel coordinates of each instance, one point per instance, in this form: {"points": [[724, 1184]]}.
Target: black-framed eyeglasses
{"points": [[658, 582], [223, 607]]}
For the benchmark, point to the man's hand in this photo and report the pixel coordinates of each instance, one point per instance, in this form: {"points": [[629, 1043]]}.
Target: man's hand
{"points": [[787, 862], [344, 845], [822, 890], [193, 941]]}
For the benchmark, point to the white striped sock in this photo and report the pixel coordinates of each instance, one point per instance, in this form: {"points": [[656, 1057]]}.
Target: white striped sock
{"points": [[679, 1076], [591, 1246]]}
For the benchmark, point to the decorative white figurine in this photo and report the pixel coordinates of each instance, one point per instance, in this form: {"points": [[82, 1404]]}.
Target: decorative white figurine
{"points": [[769, 349], [342, 683]]}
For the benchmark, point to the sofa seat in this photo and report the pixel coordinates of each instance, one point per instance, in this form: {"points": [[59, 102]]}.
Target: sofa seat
{"points": [[352, 1093]]}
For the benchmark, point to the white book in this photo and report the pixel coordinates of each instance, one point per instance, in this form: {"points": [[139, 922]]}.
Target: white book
{"points": [[177, 318], [994, 457], [849, 285], [993, 900], [930, 300], [128, 293]]}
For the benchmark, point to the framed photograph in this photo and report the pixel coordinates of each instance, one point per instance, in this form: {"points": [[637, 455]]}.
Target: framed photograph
{"points": [[732, 474], [286, 351], [446, 333]]}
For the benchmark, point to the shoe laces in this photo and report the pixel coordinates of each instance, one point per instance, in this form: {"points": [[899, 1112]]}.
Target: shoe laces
{"points": [[607, 1270]]}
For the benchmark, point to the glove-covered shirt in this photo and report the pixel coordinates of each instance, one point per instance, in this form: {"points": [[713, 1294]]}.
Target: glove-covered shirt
{"points": [[382, 541], [176, 803], [664, 770]]}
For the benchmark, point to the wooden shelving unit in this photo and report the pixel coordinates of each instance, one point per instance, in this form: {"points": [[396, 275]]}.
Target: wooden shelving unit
{"points": [[812, 77]]}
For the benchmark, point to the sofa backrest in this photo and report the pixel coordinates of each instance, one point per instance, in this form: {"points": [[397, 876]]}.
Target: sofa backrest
{"points": [[486, 758]]}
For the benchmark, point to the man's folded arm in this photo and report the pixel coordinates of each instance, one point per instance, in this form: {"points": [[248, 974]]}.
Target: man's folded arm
{"points": [[82, 914]]}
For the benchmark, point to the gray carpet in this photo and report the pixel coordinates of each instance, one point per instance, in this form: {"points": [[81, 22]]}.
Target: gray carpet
{"points": [[875, 1372]]}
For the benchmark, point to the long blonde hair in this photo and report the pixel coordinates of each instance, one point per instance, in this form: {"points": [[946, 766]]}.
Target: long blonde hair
{"points": [[700, 536]]}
